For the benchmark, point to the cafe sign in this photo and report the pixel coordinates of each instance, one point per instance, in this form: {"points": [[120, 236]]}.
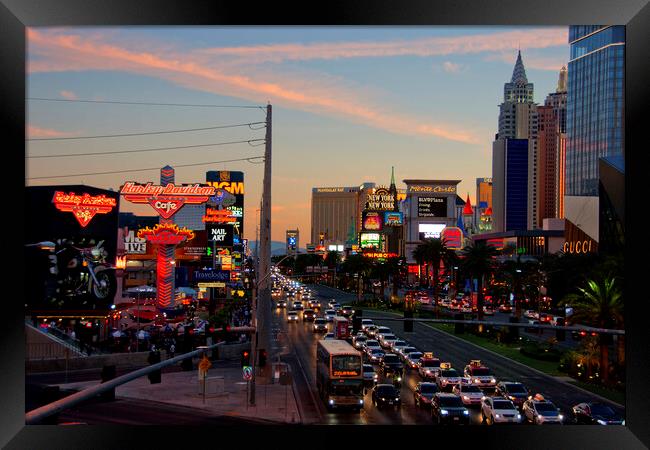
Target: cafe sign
{"points": [[166, 200]]}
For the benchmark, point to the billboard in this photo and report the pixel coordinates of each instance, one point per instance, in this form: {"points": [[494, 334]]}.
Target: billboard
{"points": [[432, 206], [393, 219], [369, 240], [453, 237], [430, 230], [292, 241], [372, 221], [233, 184], [220, 234]]}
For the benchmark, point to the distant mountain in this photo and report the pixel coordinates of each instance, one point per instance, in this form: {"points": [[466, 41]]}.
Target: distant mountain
{"points": [[277, 248]]}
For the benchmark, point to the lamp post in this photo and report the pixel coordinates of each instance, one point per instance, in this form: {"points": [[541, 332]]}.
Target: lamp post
{"points": [[254, 337]]}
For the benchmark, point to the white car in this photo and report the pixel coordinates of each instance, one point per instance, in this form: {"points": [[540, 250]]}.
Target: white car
{"points": [[428, 367], [292, 316], [499, 410], [397, 345], [329, 315], [468, 393], [374, 354], [403, 351], [382, 330], [359, 341], [540, 411], [447, 378], [365, 323], [479, 374], [411, 360], [385, 340]]}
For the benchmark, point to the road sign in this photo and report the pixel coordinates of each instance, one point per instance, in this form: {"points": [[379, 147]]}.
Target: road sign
{"points": [[247, 373]]}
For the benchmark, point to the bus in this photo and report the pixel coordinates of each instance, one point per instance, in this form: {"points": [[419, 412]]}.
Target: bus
{"points": [[339, 374]]}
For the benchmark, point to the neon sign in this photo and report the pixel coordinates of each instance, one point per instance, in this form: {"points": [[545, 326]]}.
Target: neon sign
{"points": [[120, 262], [345, 373], [577, 247], [166, 233], [381, 255], [166, 200], [83, 206]]}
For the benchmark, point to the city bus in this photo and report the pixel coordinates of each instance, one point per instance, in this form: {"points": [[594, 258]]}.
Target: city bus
{"points": [[339, 374]]}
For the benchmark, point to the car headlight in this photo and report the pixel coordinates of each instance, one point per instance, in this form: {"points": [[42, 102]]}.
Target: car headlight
{"points": [[444, 412], [465, 412], [494, 380], [476, 380], [623, 423], [512, 398], [331, 402], [361, 401], [376, 377], [497, 416], [518, 416], [560, 416], [399, 378]]}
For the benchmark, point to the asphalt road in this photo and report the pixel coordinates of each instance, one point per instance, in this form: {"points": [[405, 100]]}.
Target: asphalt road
{"points": [[459, 353]]}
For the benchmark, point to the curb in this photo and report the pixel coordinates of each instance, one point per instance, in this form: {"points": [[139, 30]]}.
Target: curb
{"points": [[518, 363]]}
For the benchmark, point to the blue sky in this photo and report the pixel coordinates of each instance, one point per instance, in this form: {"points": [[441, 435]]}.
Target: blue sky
{"points": [[348, 103]]}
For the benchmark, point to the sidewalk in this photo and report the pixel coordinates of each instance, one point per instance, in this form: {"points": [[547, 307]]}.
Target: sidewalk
{"points": [[275, 403]]}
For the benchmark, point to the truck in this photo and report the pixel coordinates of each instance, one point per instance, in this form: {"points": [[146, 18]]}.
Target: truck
{"points": [[341, 327]]}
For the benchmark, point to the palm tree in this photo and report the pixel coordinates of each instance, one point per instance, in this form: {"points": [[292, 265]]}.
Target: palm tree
{"points": [[420, 258], [361, 266], [332, 260], [479, 263], [433, 252], [599, 304], [451, 259]]}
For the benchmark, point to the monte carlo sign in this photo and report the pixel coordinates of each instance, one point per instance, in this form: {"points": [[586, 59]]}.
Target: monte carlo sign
{"points": [[166, 200]]}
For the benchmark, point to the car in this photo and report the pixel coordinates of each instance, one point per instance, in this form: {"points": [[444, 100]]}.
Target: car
{"points": [[479, 374], [423, 393], [595, 413], [447, 377], [540, 411], [370, 377], [390, 363], [320, 325], [308, 315], [398, 344], [329, 315], [411, 360], [448, 408], [517, 393], [292, 316], [488, 311], [337, 307], [382, 330], [428, 366], [375, 355], [314, 304], [282, 304], [468, 393], [359, 341], [347, 311], [386, 395], [424, 299], [403, 351], [499, 410], [329, 336], [298, 306], [531, 314], [372, 344], [385, 340], [505, 308], [371, 331], [365, 323]]}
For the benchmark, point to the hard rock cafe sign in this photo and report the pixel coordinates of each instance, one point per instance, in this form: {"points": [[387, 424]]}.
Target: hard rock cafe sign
{"points": [[83, 206], [166, 200]]}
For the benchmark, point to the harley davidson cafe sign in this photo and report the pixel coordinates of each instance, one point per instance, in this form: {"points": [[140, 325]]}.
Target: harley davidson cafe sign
{"points": [[166, 200]]}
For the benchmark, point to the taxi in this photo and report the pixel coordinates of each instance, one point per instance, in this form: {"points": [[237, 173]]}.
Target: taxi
{"points": [[447, 377], [428, 366], [540, 411], [479, 374]]}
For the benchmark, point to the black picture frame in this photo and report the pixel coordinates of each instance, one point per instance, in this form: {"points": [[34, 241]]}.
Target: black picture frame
{"points": [[15, 15]]}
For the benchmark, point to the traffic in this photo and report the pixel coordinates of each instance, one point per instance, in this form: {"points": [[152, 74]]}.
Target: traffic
{"points": [[375, 375]]}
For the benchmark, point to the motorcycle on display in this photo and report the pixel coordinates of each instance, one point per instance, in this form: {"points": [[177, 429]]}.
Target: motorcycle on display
{"points": [[80, 271]]}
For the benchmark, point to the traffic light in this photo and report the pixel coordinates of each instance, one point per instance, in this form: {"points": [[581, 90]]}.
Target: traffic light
{"points": [[262, 358], [245, 358]]}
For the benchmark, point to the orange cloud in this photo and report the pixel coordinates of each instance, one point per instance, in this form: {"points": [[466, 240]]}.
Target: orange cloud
{"points": [[533, 38], [66, 52], [68, 94], [38, 132]]}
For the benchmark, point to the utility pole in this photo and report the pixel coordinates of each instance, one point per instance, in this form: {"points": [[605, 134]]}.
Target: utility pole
{"points": [[261, 293]]}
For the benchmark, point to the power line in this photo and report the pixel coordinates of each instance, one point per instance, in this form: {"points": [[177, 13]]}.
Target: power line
{"points": [[151, 132], [152, 168], [115, 102], [146, 149]]}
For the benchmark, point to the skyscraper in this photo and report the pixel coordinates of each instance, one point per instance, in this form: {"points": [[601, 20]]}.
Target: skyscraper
{"points": [[595, 116], [518, 124], [551, 143]]}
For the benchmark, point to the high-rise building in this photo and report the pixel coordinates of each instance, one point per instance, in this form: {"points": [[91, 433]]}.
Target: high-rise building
{"points": [[333, 211], [518, 125], [483, 207], [509, 184], [551, 143], [595, 116]]}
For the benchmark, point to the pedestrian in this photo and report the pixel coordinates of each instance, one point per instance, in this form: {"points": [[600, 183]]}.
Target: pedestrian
{"points": [[172, 350], [73, 335]]}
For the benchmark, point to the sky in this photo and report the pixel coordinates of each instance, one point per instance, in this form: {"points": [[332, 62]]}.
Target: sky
{"points": [[348, 104]]}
